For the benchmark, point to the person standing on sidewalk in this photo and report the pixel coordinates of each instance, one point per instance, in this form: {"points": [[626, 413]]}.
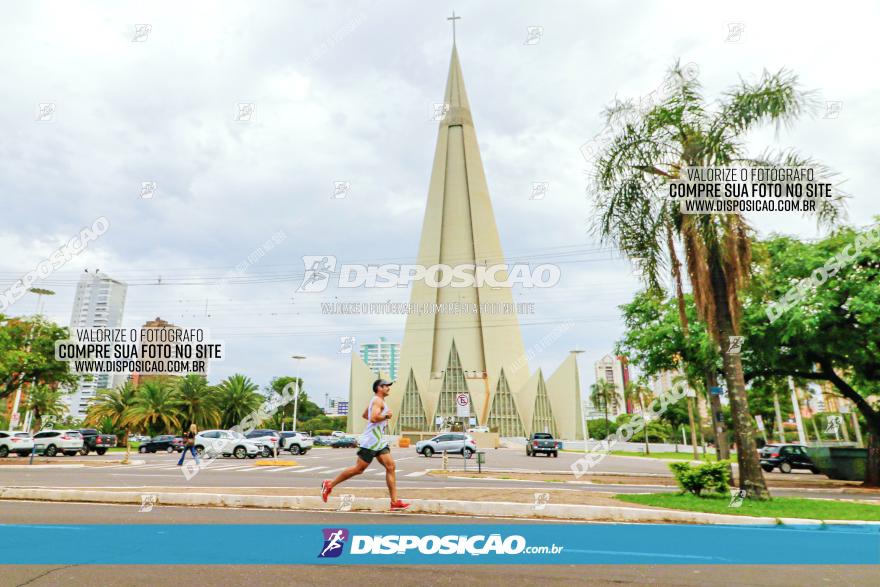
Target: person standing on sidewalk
{"points": [[373, 446], [189, 442]]}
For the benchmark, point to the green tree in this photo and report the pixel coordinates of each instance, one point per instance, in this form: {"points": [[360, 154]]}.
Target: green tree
{"points": [[237, 397], [829, 330], [636, 215], [44, 400], [198, 403], [114, 405], [637, 392], [27, 354], [156, 407], [603, 394]]}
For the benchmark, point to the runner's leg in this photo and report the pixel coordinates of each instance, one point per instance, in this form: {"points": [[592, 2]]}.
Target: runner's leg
{"points": [[390, 476], [358, 468]]}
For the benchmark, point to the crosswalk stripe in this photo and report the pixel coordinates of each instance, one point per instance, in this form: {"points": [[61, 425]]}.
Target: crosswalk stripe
{"points": [[309, 469], [416, 473]]}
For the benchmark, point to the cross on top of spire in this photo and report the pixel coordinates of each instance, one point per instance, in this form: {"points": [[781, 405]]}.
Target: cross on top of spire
{"points": [[453, 18]]}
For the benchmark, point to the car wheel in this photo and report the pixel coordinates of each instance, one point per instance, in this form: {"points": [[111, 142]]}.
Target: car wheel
{"points": [[785, 467], [200, 450], [51, 451], [767, 468], [4, 452], [814, 470], [142, 450], [295, 450], [169, 450], [84, 451], [555, 454], [428, 452], [265, 452], [467, 453], [240, 452], [101, 451]]}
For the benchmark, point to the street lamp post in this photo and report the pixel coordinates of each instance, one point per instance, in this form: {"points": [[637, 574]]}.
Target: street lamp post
{"points": [[298, 359]]}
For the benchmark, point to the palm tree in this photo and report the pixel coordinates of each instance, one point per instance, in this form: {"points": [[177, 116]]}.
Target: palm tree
{"points": [[639, 393], [237, 396], [604, 393], [114, 405], [198, 403], [634, 213], [44, 400], [156, 407]]}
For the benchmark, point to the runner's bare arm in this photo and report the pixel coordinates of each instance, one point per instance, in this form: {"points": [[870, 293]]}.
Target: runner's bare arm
{"points": [[365, 416], [376, 416]]}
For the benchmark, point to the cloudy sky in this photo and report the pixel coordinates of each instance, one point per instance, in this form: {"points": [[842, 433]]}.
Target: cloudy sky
{"points": [[342, 92]]}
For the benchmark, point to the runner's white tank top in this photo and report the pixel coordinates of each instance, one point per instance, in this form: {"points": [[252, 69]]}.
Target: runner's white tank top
{"points": [[373, 433]]}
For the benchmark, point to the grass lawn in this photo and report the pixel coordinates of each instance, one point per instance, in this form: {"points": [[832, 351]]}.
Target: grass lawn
{"points": [[778, 507]]}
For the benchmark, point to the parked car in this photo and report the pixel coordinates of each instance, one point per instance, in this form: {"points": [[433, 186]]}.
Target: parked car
{"points": [[344, 442], [52, 442], [298, 443], [450, 442], [542, 443], [20, 443], [324, 440], [478, 429], [269, 441], [163, 442], [226, 443], [786, 457], [93, 441]]}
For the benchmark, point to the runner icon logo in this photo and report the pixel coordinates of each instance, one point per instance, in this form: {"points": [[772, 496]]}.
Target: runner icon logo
{"points": [[334, 542]]}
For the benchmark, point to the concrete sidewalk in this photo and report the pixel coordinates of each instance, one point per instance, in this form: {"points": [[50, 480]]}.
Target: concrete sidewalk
{"points": [[523, 503]]}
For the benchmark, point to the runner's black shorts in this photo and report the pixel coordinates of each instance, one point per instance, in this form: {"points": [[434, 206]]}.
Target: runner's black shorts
{"points": [[368, 455]]}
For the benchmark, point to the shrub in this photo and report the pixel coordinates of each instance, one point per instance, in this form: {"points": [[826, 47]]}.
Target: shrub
{"points": [[707, 477], [598, 430]]}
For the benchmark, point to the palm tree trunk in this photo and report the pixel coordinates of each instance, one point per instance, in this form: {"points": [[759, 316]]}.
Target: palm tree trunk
{"points": [[722, 451], [751, 477], [645, 431], [127, 449]]}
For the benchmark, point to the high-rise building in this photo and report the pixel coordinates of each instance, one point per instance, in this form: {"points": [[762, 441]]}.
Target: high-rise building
{"points": [[99, 302], [152, 348], [382, 357], [614, 370], [474, 358]]}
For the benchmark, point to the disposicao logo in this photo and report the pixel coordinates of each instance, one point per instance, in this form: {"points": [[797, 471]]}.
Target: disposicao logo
{"points": [[334, 542]]}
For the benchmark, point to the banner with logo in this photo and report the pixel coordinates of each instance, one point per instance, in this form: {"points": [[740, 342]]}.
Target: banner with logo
{"points": [[494, 544]]}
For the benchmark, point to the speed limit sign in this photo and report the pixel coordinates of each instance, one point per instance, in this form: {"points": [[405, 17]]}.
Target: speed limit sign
{"points": [[462, 405]]}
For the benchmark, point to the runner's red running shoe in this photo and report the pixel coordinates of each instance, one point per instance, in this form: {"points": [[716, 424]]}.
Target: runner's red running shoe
{"points": [[398, 505], [325, 490]]}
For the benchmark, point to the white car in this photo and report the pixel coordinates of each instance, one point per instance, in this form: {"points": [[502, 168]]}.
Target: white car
{"points": [[52, 442], [226, 443], [298, 443], [337, 434], [21, 443]]}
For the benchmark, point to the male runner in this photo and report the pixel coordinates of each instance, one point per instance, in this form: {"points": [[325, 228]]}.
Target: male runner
{"points": [[372, 445]]}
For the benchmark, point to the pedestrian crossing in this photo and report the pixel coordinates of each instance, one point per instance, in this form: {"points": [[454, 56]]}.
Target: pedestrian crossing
{"points": [[237, 467]]}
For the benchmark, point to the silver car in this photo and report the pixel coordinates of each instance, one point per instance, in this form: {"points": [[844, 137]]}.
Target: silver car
{"points": [[450, 442]]}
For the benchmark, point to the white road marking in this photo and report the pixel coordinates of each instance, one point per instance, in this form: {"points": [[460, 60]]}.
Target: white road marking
{"points": [[309, 469], [417, 473]]}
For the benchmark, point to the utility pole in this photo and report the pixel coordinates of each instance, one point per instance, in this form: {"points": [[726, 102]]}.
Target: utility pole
{"points": [[779, 429], [298, 359], [797, 412]]}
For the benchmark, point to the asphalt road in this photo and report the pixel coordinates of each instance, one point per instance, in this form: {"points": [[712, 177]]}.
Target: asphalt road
{"points": [[336, 576], [161, 470]]}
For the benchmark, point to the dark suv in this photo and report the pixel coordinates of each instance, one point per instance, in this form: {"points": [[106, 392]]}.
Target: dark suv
{"points": [[164, 442], [786, 457]]}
